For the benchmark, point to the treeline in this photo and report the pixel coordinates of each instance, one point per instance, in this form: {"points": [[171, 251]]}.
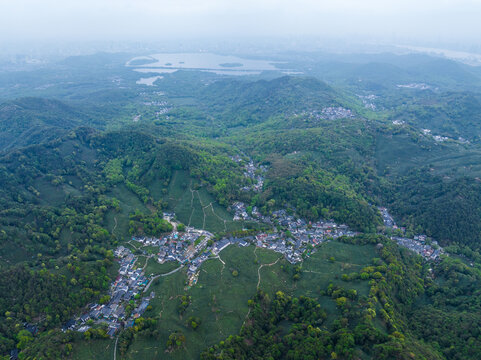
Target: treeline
{"points": [[48, 297], [148, 224], [449, 210], [451, 319], [315, 193]]}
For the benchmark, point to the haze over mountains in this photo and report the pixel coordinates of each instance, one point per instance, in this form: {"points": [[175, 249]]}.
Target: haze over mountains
{"points": [[240, 180]]}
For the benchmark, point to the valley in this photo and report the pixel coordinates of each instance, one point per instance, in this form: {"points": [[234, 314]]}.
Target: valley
{"points": [[333, 213]]}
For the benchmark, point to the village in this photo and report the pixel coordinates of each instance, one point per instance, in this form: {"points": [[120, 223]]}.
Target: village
{"points": [[294, 238], [189, 248], [291, 236], [327, 113], [125, 299], [420, 244], [253, 172]]}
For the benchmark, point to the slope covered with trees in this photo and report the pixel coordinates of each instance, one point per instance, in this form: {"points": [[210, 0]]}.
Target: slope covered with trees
{"points": [[80, 177]]}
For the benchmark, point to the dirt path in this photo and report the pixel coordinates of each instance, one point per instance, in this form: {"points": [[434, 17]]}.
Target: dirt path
{"points": [[115, 226], [259, 281], [221, 219], [223, 264], [203, 208], [259, 270], [192, 202], [130, 242], [222, 261], [147, 261], [115, 348]]}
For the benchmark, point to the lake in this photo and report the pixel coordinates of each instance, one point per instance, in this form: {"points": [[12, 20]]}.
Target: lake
{"points": [[219, 64]]}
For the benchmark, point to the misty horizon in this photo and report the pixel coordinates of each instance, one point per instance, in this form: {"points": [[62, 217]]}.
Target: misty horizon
{"points": [[26, 24]]}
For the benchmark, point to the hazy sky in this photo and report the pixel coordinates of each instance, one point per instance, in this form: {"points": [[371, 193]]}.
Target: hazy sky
{"points": [[456, 21]]}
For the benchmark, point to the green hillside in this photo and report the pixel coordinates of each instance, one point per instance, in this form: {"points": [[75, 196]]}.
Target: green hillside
{"points": [[90, 160]]}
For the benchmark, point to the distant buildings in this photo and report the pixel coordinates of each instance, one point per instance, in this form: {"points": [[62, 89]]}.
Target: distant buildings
{"points": [[327, 113], [418, 244]]}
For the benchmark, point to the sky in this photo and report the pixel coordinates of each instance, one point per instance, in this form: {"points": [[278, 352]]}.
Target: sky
{"points": [[399, 21]]}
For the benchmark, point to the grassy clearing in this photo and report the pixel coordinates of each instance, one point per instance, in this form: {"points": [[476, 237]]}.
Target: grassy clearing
{"points": [[197, 208], [150, 249], [318, 271], [141, 261], [219, 299], [11, 253], [118, 222], [399, 154], [94, 349], [131, 246], [153, 267], [49, 194]]}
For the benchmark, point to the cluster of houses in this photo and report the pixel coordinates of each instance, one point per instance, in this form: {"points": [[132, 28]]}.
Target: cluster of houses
{"points": [[430, 251], [155, 103], [291, 236], [439, 138], [367, 100], [327, 113], [387, 218], [334, 113], [177, 246], [417, 86], [253, 172], [241, 212], [129, 283], [420, 244], [183, 247], [163, 106], [295, 238], [256, 175]]}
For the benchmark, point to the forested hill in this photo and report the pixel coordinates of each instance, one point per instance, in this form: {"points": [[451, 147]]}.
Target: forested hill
{"points": [[248, 103], [453, 114], [47, 189], [99, 156], [31, 120], [440, 72]]}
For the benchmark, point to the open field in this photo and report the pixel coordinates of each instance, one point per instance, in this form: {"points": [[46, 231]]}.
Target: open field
{"points": [[94, 349], [118, 222], [141, 260], [399, 154], [197, 208], [153, 267]]}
